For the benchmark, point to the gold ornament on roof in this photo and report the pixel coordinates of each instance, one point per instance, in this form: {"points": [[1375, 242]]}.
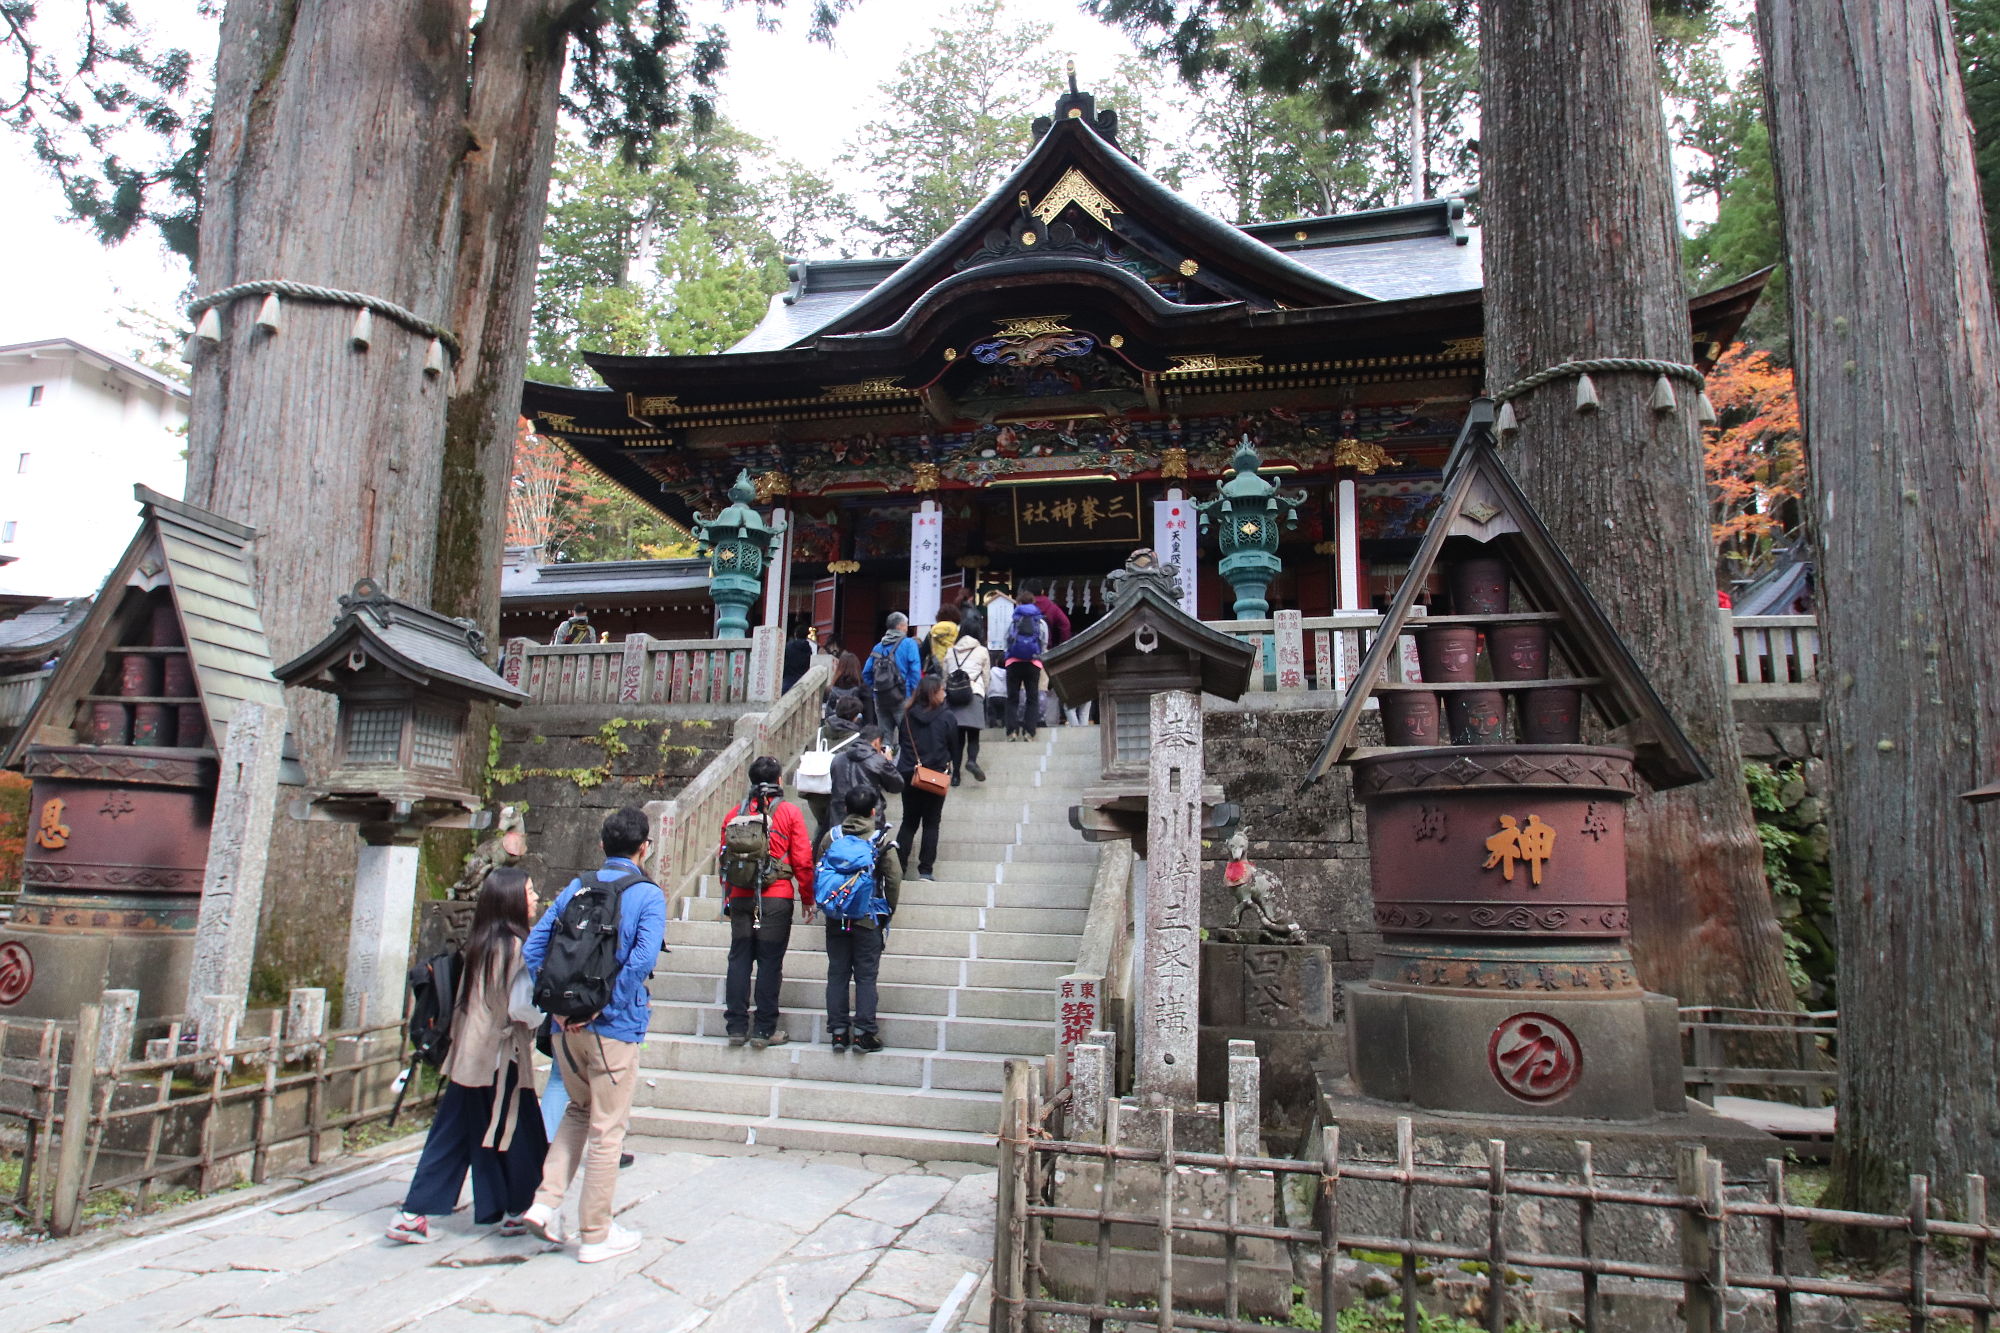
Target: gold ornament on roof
{"points": [[926, 477], [1203, 364], [558, 421], [653, 405], [881, 387], [1459, 349], [1033, 326], [773, 485], [1174, 464], [1365, 458], [843, 566], [1075, 188], [1189, 268]]}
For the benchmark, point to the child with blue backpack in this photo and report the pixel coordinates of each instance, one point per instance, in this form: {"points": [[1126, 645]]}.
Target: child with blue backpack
{"points": [[855, 886]]}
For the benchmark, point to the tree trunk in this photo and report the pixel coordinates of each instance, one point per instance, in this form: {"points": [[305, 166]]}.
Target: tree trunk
{"points": [[1582, 260], [338, 129], [516, 77], [1899, 377]]}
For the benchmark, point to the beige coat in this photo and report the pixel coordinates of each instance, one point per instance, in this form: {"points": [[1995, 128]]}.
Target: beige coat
{"points": [[484, 1041]]}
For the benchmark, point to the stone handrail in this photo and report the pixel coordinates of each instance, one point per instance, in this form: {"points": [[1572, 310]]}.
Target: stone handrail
{"points": [[1094, 998], [1768, 655], [688, 828], [18, 695], [645, 670]]}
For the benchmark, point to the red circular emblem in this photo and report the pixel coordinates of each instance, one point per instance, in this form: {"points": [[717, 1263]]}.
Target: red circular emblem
{"points": [[17, 971], [1535, 1057]]}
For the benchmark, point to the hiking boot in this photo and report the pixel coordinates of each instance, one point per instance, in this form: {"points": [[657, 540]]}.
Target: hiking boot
{"points": [[617, 1241], [838, 1041], [867, 1043], [411, 1229], [738, 1038], [972, 767], [625, 1159], [954, 779], [545, 1222], [778, 1038], [925, 874]]}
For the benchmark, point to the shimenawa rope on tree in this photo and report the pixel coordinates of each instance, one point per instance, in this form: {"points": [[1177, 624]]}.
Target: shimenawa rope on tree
{"points": [[208, 326], [1662, 400]]}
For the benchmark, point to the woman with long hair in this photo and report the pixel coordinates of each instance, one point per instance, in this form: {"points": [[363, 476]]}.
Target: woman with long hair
{"points": [[486, 1121], [965, 670], [928, 732], [847, 685]]}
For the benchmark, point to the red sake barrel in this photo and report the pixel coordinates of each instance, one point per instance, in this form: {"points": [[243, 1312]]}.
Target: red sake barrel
{"points": [[153, 724], [138, 675]]}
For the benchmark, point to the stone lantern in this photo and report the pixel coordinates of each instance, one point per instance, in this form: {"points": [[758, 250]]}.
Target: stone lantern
{"points": [[738, 542], [1249, 508], [405, 679]]}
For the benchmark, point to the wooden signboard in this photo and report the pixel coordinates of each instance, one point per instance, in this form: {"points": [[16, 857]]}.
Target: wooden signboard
{"points": [[1078, 516]]}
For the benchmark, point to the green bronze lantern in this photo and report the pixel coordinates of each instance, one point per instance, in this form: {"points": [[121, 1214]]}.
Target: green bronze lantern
{"points": [[1249, 508], [737, 542]]}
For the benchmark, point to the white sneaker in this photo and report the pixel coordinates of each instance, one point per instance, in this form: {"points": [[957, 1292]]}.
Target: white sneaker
{"points": [[617, 1241], [545, 1222]]}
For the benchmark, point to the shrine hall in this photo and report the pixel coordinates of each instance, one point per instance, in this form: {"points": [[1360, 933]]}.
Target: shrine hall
{"points": [[1045, 386]]}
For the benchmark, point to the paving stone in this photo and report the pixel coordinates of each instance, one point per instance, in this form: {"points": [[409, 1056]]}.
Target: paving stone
{"points": [[640, 1304], [39, 1299], [800, 1197], [407, 1301], [900, 1200], [459, 1320], [791, 1297], [886, 1165], [732, 1251], [947, 1233], [267, 1253], [864, 1305], [181, 1301], [358, 1269], [919, 1280], [844, 1234], [914, 1323], [554, 1287], [972, 1197]]}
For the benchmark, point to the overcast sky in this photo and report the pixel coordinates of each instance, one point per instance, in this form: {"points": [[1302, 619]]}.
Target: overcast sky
{"points": [[805, 99]]}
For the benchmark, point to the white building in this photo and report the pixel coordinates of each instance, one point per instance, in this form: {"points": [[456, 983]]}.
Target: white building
{"points": [[77, 428]]}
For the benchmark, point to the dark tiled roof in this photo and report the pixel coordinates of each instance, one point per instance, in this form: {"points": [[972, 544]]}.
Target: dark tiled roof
{"points": [[412, 639], [42, 629], [546, 584]]}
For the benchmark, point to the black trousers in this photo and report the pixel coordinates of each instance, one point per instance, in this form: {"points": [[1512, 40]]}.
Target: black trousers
{"points": [[920, 809], [964, 746], [765, 949], [1024, 697], [503, 1183], [853, 953]]}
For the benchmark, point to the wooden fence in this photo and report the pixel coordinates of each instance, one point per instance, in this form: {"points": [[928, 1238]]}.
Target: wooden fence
{"points": [[645, 670], [94, 1118], [1737, 1254], [1808, 1041], [1774, 656], [18, 695]]}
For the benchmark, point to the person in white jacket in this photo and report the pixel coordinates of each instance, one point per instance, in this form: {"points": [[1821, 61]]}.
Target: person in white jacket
{"points": [[966, 697]]}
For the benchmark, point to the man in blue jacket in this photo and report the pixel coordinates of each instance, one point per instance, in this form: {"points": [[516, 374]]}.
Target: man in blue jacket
{"points": [[894, 668], [599, 1060]]}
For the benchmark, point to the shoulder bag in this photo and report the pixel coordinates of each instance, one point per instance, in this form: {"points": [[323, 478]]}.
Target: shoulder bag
{"points": [[934, 781]]}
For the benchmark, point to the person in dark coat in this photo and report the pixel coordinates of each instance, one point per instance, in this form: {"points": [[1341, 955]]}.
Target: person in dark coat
{"points": [[862, 763], [929, 734], [798, 655]]}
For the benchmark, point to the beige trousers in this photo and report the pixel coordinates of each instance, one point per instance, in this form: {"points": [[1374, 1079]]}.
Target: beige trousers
{"points": [[600, 1074]]}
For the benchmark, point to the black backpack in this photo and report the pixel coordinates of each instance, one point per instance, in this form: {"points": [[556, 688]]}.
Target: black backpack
{"points": [[887, 677], [433, 1001], [957, 684], [581, 966]]}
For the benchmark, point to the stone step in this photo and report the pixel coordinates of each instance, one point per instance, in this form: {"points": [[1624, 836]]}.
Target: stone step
{"points": [[826, 1101], [906, 942], [1019, 891], [991, 1036], [950, 865], [914, 915], [1030, 849], [897, 968], [923, 1145], [954, 1071], [806, 994]]}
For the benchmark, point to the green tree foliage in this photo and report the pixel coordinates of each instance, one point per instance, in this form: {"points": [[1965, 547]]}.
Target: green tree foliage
{"points": [[1978, 25], [955, 120]]}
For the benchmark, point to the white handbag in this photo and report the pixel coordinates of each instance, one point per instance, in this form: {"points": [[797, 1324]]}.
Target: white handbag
{"points": [[815, 775]]}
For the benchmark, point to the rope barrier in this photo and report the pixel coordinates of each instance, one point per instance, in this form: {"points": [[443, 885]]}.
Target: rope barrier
{"points": [[1604, 365], [302, 291]]}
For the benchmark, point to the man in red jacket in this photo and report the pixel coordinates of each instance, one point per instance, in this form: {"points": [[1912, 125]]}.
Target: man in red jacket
{"points": [[762, 895]]}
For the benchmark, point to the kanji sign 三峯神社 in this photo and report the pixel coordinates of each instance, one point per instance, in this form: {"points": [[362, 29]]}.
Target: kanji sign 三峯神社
{"points": [[1077, 516]]}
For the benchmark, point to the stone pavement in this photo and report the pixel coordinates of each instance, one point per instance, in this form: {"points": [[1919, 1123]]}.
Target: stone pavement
{"points": [[737, 1240]]}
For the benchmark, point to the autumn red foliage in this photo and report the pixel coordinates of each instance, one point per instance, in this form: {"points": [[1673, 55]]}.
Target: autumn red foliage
{"points": [[13, 829], [1755, 460]]}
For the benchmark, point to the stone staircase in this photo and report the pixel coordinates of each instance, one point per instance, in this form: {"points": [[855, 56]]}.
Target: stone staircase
{"points": [[968, 981]]}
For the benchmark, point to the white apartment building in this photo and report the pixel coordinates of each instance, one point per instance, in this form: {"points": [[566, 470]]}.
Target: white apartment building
{"points": [[77, 428]]}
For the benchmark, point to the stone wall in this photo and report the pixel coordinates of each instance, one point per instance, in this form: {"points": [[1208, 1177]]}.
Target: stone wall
{"points": [[570, 767]]}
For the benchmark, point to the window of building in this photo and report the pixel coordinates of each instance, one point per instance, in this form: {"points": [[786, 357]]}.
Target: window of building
{"points": [[35, 394], [22, 466], [7, 531]]}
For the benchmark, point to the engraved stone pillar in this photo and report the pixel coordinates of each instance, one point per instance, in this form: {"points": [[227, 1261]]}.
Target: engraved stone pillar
{"points": [[232, 886], [1246, 1097], [1089, 1085], [114, 1033], [305, 1020], [378, 939], [1170, 979]]}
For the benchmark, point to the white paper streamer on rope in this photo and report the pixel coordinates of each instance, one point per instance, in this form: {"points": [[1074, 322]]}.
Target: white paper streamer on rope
{"points": [[363, 334], [209, 328], [1507, 423], [271, 315], [434, 359], [1704, 411], [1663, 395], [1586, 394]]}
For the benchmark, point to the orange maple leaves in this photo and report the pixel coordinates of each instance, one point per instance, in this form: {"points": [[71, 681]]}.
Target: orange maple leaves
{"points": [[1755, 460]]}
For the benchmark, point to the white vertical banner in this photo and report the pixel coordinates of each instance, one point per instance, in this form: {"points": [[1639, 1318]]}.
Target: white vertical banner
{"points": [[1174, 542], [926, 562], [1347, 519], [778, 575]]}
